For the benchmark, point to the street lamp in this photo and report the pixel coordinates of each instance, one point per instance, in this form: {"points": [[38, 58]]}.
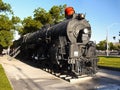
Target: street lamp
{"points": [[107, 43], [108, 28], [119, 37]]}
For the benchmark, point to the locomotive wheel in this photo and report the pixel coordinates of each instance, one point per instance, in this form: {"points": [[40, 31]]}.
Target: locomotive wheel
{"points": [[54, 55]]}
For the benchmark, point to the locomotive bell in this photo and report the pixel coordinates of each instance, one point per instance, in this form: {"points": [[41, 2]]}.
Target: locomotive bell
{"points": [[69, 11]]}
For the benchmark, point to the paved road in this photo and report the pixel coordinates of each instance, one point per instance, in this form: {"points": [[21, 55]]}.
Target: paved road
{"points": [[104, 80], [25, 77]]}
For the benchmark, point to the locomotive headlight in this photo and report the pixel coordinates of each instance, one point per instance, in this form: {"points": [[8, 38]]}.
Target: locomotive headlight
{"points": [[82, 16], [85, 30]]}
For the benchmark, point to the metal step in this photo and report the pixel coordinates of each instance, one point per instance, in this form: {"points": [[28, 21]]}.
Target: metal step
{"points": [[16, 54], [14, 51]]}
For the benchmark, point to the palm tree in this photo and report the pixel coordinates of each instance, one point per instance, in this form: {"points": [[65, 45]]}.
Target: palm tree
{"points": [[114, 37]]}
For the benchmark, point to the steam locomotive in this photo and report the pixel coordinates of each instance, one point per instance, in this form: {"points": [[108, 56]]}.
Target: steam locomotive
{"points": [[66, 45]]}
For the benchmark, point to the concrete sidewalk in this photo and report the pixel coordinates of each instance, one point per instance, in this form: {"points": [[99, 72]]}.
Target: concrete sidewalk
{"points": [[25, 77]]}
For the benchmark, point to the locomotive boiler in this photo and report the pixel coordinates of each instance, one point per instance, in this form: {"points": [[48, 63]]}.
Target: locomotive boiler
{"points": [[66, 45]]}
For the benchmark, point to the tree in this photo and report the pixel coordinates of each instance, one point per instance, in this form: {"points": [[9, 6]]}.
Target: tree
{"points": [[6, 35], [53, 16], [57, 13], [102, 45], [111, 46], [30, 25], [118, 47], [42, 16], [114, 37], [6, 38], [15, 20], [4, 7], [5, 23]]}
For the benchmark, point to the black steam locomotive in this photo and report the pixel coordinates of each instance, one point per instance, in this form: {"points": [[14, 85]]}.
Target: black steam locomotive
{"points": [[66, 45]]}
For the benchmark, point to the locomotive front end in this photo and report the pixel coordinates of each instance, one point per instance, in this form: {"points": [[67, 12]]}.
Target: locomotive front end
{"points": [[82, 51], [79, 30]]}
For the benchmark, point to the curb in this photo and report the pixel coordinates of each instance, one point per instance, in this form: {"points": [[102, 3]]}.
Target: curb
{"points": [[109, 68]]}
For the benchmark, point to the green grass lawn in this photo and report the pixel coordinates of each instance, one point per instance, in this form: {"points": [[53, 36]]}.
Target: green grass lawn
{"points": [[4, 82], [113, 62]]}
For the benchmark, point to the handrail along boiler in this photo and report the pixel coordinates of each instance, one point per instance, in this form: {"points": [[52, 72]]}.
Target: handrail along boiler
{"points": [[66, 44]]}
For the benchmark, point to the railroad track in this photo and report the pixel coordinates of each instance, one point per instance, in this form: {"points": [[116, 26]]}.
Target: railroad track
{"points": [[61, 74], [66, 75]]}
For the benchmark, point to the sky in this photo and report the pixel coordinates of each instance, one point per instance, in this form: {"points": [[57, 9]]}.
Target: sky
{"points": [[103, 15]]}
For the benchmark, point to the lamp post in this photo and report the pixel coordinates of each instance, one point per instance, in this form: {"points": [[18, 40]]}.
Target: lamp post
{"points": [[107, 43], [119, 37], [108, 28]]}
